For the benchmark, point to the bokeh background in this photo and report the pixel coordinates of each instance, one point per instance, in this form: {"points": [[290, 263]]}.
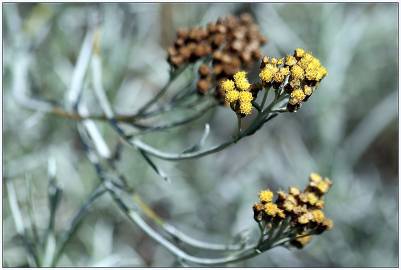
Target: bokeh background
{"points": [[347, 130]]}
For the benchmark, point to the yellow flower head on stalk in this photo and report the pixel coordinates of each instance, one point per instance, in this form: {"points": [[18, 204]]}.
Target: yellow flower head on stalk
{"points": [[241, 81], [288, 206], [296, 97], [317, 182], [267, 73], [276, 61], [305, 60], [319, 204], [308, 197], [280, 213], [299, 210], [271, 209], [294, 191], [322, 71], [232, 96], [281, 74], [305, 218], [299, 52], [228, 85], [245, 97], [266, 196], [297, 72], [318, 216], [308, 90], [245, 108], [290, 60]]}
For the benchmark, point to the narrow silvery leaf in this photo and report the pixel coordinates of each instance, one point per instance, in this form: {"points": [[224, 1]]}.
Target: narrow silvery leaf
{"points": [[155, 167]]}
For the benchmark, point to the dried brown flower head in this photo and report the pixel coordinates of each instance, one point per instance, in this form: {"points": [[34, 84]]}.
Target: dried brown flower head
{"points": [[233, 43]]}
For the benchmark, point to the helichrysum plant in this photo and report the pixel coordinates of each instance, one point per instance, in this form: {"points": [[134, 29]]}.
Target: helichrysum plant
{"points": [[219, 58]]}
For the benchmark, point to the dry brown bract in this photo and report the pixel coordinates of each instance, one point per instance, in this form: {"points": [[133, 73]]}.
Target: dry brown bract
{"points": [[232, 42]]}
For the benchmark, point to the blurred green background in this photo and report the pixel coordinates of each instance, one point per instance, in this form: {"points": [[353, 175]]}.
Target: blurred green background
{"points": [[347, 131]]}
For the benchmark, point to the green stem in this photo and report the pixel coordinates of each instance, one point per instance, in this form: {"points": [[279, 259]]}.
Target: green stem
{"points": [[66, 237], [265, 97], [238, 126]]}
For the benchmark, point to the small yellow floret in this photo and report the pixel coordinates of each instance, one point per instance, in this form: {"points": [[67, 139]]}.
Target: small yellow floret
{"points": [[316, 181], [239, 75], [296, 97], [311, 198], [281, 74], [297, 72], [281, 195], [290, 60], [315, 178], [323, 186], [280, 213], [311, 74], [245, 96], [228, 85], [288, 206], [303, 219], [299, 210], [267, 73], [245, 108], [231, 96], [266, 196], [294, 191], [291, 198], [243, 84], [319, 204], [299, 52], [321, 73], [258, 207], [318, 216], [274, 61], [308, 90], [271, 209], [314, 63], [305, 60]]}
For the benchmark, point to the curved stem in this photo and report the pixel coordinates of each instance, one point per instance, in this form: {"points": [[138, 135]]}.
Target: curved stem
{"points": [[173, 124], [76, 221], [137, 219], [262, 118], [177, 234]]}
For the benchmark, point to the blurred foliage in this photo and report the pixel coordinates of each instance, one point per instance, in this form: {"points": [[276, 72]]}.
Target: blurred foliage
{"points": [[348, 131]]}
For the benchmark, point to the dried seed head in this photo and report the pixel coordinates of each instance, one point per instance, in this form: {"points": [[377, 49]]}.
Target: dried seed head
{"points": [[204, 70], [203, 86]]}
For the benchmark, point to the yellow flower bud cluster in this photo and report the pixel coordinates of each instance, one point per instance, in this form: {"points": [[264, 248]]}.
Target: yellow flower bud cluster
{"points": [[306, 72], [237, 93], [298, 212], [272, 72], [299, 73]]}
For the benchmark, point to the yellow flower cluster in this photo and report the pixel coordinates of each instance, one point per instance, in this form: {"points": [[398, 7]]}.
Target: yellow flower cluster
{"points": [[300, 73], [300, 211], [271, 72], [306, 73], [237, 93]]}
